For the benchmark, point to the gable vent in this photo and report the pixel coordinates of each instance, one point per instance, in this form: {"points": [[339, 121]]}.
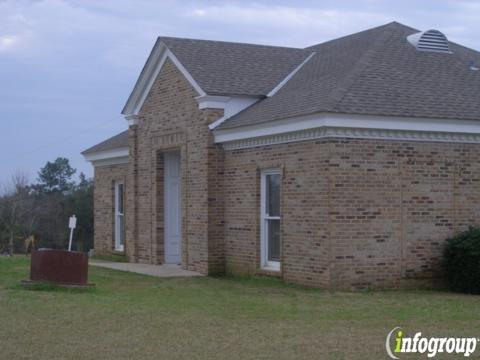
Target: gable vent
{"points": [[430, 40]]}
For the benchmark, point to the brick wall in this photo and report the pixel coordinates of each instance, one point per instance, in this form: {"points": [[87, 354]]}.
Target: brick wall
{"points": [[131, 200], [170, 119], [304, 209], [401, 200], [355, 213], [104, 203]]}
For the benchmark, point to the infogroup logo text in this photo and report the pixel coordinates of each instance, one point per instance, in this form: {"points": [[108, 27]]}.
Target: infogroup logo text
{"points": [[432, 346]]}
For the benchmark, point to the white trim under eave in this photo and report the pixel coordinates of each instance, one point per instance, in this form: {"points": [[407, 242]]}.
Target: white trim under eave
{"points": [[344, 125], [152, 68], [212, 101], [113, 161], [231, 105], [108, 157], [132, 119]]}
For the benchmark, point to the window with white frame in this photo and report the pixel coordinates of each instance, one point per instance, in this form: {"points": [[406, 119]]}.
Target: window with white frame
{"points": [[119, 216], [270, 219]]}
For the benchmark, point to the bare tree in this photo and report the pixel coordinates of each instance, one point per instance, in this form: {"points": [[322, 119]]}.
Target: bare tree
{"points": [[14, 206], [42, 209]]}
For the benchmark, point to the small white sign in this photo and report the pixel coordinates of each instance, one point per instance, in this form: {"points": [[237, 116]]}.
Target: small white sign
{"points": [[73, 222]]}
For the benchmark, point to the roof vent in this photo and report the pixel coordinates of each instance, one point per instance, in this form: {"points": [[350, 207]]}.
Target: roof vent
{"points": [[430, 40]]}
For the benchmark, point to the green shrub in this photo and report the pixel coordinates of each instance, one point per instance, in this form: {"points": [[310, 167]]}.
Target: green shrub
{"points": [[462, 261]]}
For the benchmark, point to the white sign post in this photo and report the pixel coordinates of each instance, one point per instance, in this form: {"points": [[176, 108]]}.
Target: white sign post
{"points": [[71, 224]]}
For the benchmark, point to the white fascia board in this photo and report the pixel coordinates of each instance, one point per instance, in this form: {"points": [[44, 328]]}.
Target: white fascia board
{"points": [[131, 119], [318, 121], [212, 101], [107, 155], [289, 76], [231, 105], [113, 161], [154, 64]]}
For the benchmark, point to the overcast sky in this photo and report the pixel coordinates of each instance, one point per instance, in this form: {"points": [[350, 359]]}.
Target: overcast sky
{"points": [[68, 66]]}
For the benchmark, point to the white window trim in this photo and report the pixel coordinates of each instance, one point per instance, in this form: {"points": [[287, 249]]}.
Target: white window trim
{"points": [[265, 263], [119, 247]]}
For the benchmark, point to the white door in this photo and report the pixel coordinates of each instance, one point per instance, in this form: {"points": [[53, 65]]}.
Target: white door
{"points": [[172, 210]]}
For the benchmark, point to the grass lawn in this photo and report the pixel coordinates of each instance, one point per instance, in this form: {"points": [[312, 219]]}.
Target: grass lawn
{"points": [[131, 316]]}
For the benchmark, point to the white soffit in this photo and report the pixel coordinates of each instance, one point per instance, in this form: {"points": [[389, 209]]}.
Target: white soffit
{"points": [[114, 161], [231, 105], [343, 125], [157, 58], [108, 157]]}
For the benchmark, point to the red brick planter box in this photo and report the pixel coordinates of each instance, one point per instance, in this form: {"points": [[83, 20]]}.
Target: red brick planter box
{"points": [[59, 266]]}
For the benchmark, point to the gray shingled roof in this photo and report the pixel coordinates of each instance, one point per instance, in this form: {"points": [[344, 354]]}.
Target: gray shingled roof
{"points": [[222, 68], [115, 142], [375, 72]]}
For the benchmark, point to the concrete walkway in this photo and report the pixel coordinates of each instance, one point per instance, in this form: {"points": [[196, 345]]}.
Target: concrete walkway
{"points": [[168, 270]]}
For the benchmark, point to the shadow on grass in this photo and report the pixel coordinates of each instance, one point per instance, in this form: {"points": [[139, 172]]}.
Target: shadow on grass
{"points": [[51, 287], [264, 281], [112, 257], [271, 282]]}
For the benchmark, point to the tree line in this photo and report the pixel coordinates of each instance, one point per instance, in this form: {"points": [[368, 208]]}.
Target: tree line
{"points": [[42, 209]]}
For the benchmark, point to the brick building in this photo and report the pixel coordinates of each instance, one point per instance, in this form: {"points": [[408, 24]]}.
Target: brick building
{"points": [[342, 165]]}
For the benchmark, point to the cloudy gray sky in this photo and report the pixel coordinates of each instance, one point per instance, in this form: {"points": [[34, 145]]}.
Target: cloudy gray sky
{"points": [[67, 66]]}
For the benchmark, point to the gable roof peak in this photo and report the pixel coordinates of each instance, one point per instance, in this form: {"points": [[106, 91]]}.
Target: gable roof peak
{"points": [[371, 32], [218, 67]]}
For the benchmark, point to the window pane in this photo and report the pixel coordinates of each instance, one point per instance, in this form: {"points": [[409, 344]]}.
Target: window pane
{"points": [[121, 230], [273, 195], [273, 232], [120, 198]]}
